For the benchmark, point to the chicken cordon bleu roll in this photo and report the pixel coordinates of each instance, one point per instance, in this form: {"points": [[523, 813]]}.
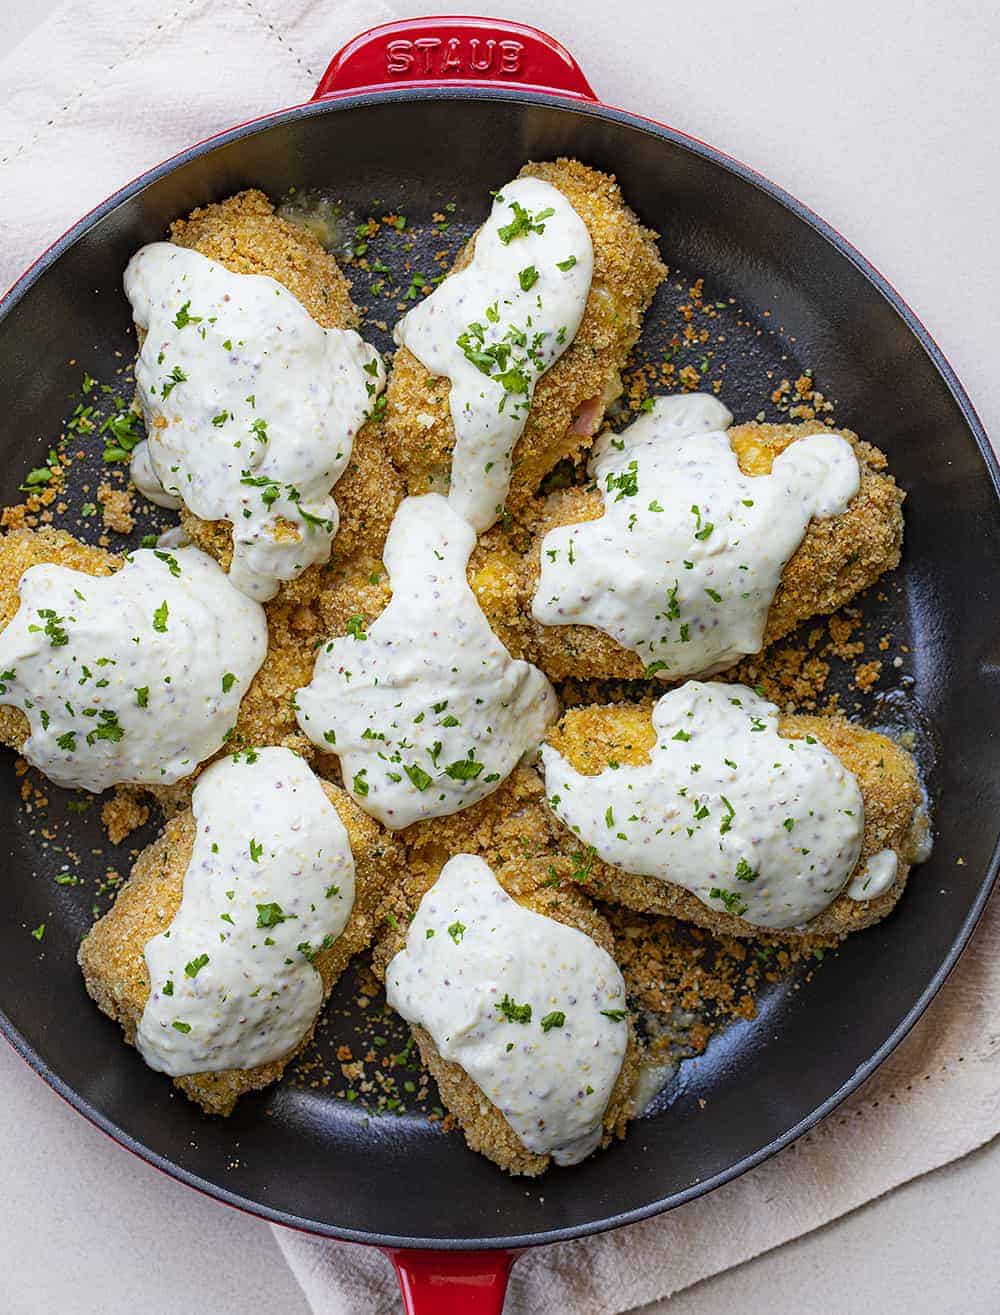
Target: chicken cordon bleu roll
{"points": [[120, 672], [711, 806], [218, 953], [518, 1010], [255, 389], [696, 544], [508, 366], [425, 708]]}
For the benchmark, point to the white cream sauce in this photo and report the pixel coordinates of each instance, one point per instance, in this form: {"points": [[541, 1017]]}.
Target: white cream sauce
{"points": [[495, 327], [131, 678], [876, 877], [269, 884], [683, 566], [766, 828], [425, 707], [534, 1011], [146, 480], [251, 408]]}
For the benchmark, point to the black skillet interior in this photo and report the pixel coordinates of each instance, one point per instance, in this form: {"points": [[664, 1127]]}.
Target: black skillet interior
{"points": [[298, 1154]]}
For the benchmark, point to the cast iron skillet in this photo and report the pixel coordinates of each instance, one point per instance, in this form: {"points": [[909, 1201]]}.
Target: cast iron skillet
{"points": [[452, 108]]}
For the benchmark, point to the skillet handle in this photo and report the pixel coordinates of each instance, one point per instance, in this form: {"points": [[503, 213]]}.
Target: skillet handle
{"points": [[454, 51], [452, 1282]]}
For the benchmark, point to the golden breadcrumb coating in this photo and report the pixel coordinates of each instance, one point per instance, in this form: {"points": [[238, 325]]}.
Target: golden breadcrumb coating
{"points": [[498, 828], [590, 738], [627, 270], [114, 966], [837, 558], [244, 234], [20, 550]]}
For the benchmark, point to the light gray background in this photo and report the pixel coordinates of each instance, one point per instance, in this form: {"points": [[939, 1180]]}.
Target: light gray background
{"points": [[883, 116]]}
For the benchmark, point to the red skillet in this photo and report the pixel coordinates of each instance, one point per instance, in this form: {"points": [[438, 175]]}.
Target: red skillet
{"points": [[410, 114]]}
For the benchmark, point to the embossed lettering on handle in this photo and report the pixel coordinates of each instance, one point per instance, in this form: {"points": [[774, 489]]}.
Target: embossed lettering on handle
{"points": [[451, 51]]}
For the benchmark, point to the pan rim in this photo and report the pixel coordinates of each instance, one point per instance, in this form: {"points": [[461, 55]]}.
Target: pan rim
{"points": [[992, 470]]}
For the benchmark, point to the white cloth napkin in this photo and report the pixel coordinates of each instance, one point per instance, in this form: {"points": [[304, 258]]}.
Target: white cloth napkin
{"points": [[102, 91]]}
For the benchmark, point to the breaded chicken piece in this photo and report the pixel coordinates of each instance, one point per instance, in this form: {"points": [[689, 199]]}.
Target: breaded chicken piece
{"points": [[571, 397], [114, 967], [20, 550], [266, 715], [244, 234], [496, 823], [591, 738], [836, 559]]}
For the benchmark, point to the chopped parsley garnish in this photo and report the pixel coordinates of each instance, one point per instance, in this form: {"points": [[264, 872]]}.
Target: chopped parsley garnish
{"points": [[513, 1012], [356, 627], [744, 872], [360, 785], [524, 222], [626, 482], [616, 1015], [160, 617], [142, 696], [555, 1019], [107, 728], [256, 850], [193, 968], [527, 278], [228, 681], [183, 318], [418, 777], [568, 263], [175, 377], [731, 900], [701, 531], [53, 627], [172, 563], [456, 931], [464, 769], [270, 915], [181, 1027]]}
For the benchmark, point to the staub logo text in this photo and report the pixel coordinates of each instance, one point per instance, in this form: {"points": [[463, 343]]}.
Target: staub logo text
{"points": [[438, 57]]}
